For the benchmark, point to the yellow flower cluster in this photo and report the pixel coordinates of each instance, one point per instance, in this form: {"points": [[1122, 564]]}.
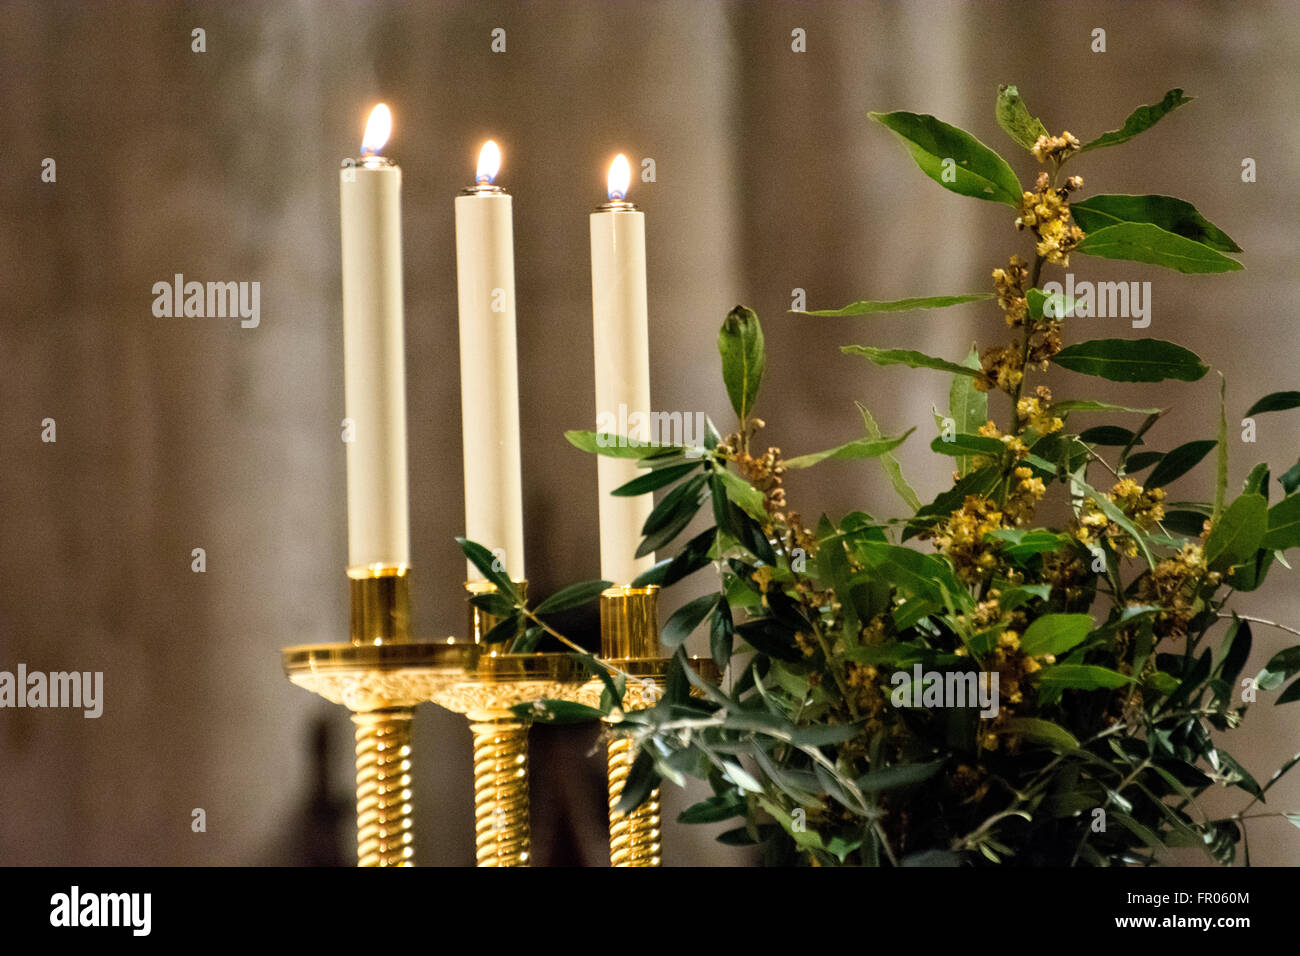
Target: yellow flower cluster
{"points": [[1141, 506], [1011, 284], [1173, 584], [961, 538], [1055, 148], [1023, 494], [1003, 368], [1036, 412], [1046, 211]]}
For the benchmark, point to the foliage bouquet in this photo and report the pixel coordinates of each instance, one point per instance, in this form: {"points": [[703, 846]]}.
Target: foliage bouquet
{"points": [[969, 683]]}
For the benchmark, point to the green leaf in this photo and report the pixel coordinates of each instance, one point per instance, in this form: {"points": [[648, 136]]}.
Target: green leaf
{"points": [[911, 359], [1082, 677], [1179, 462], [1140, 831], [724, 806], [1109, 435], [575, 595], [1143, 242], [1290, 479], [1290, 695], [1237, 533], [1235, 650], [1275, 402], [1036, 303], [526, 643], [641, 780], [1172, 215], [1140, 120], [975, 170], [968, 407], [1221, 471], [1280, 668], [1132, 360], [1055, 634], [860, 448], [740, 342], [1024, 543], [960, 445], [748, 498], [673, 513], [770, 637], [655, 479], [556, 712], [889, 463], [722, 634], [1041, 731], [870, 307], [486, 562], [506, 629], [612, 446], [1013, 116], [1141, 461], [1283, 530], [899, 775], [1084, 405], [1015, 597], [912, 572], [686, 619]]}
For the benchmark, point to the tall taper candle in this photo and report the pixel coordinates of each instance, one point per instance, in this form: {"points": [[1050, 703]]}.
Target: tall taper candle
{"points": [[374, 366], [489, 375], [621, 333]]}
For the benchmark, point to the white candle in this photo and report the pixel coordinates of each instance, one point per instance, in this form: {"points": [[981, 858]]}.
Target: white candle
{"points": [[374, 367], [489, 377], [621, 333]]}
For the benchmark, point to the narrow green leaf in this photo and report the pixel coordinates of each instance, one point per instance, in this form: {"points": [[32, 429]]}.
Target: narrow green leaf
{"points": [[1179, 462], [1237, 533], [870, 307], [575, 595], [1084, 405], [1290, 479], [655, 479], [1221, 473], [1055, 634], [748, 498], [1144, 242], [1058, 305], [641, 780], [556, 712], [1235, 650], [1141, 461], [1283, 529], [1275, 402], [1140, 120], [960, 445], [1041, 731], [724, 806], [1014, 118], [910, 358], [612, 446], [889, 463], [1082, 677], [899, 775], [1111, 435], [682, 502], [1290, 695], [487, 564], [1132, 360], [1173, 215], [947, 153], [968, 407], [686, 619], [740, 342], [860, 448], [1024, 543], [722, 633]]}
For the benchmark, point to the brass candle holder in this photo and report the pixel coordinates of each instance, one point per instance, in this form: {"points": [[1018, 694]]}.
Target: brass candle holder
{"points": [[380, 675], [629, 641]]}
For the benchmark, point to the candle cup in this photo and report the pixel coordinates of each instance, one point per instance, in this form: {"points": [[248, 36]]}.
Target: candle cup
{"points": [[380, 605]]}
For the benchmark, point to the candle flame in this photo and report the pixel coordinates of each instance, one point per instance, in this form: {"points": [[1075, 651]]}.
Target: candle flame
{"points": [[489, 163], [378, 128], [620, 177]]}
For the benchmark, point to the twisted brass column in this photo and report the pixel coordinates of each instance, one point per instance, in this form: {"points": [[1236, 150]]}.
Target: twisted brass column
{"points": [[629, 630], [384, 821], [501, 825]]}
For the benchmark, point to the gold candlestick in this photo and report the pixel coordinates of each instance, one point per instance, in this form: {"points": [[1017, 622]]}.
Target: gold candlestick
{"points": [[380, 675]]}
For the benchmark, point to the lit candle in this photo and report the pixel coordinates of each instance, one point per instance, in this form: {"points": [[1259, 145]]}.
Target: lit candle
{"points": [[370, 190], [489, 378], [621, 333]]}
